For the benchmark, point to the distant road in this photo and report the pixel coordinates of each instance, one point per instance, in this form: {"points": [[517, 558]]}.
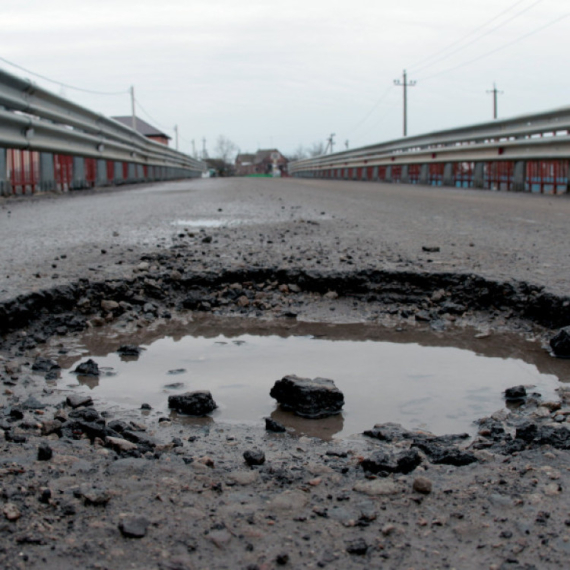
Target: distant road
{"points": [[310, 223]]}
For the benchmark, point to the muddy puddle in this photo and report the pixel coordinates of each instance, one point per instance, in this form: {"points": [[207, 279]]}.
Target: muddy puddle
{"points": [[434, 381]]}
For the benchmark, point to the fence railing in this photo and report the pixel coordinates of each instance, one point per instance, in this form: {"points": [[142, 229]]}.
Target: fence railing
{"points": [[48, 142], [526, 153]]}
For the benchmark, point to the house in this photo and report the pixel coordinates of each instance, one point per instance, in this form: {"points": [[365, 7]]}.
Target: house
{"points": [[245, 164], [144, 128], [265, 161]]}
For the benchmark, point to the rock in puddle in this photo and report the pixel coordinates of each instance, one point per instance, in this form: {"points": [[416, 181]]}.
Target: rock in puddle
{"points": [[88, 368], [317, 398]]}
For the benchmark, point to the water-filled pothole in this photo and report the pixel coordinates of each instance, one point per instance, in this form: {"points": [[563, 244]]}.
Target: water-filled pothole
{"points": [[419, 379]]}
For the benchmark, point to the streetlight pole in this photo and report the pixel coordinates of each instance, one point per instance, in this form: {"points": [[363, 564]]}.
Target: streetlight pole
{"points": [[405, 84]]}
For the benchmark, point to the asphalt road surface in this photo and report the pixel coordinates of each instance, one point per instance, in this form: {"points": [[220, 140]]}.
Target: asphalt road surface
{"points": [[46, 240]]}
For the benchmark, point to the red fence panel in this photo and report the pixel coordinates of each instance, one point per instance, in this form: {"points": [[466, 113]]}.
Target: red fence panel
{"points": [[435, 174], [499, 175], [547, 176], [463, 174], [414, 171], [23, 170], [63, 171], [91, 171], [396, 173]]}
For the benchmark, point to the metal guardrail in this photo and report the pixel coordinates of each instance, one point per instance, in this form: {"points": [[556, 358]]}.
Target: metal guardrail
{"points": [[34, 119], [538, 137]]}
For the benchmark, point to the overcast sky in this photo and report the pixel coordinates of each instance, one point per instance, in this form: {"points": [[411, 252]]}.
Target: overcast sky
{"points": [[289, 73]]}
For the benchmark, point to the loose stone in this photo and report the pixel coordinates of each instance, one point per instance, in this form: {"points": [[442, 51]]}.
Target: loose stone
{"points": [[89, 368], [77, 400], [199, 403], [134, 526], [254, 457], [45, 452], [422, 485], [308, 398], [560, 343]]}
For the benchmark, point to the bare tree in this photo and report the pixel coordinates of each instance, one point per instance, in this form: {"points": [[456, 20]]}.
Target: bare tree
{"points": [[317, 149], [225, 149], [299, 154]]}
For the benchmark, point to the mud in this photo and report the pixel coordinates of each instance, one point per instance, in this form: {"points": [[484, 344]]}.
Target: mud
{"points": [[92, 488]]}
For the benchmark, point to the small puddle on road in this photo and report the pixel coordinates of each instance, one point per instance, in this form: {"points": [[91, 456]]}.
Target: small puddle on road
{"points": [[442, 383]]}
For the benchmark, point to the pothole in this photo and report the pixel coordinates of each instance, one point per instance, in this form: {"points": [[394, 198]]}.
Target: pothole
{"points": [[441, 383]]}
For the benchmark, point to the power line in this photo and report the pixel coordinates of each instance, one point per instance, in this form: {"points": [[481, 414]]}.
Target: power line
{"points": [[384, 95], [155, 122], [500, 48], [461, 40], [476, 39], [66, 85]]}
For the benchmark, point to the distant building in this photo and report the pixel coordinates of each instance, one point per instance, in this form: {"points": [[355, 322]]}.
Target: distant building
{"points": [[145, 129], [264, 161]]}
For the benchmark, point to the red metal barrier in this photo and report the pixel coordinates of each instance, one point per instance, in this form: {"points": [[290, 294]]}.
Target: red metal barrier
{"points": [[63, 171], [382, 173], [463, 174], [547, 177], [110, 170], [91, 171], [396, 173], [414, 173], [125, 170], [499, 175], [23, 170], [435, 175]]}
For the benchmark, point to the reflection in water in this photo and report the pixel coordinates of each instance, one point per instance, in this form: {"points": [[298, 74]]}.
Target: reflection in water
{"points": [[426, 380], [90, 381], [324, 428]]}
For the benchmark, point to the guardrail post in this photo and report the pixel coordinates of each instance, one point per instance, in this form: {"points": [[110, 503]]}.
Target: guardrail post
{"points": [[448, 174], [47, 172], [388, 174], [519, 176], [405, 178], [131, 173], [479, 175], [101, 175], [118, 173], [4, 184], [424, 174], [78, 173]]}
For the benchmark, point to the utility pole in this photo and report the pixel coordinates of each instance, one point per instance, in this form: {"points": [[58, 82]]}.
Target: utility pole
{"points": [[495, 92], [405, 84], [204, 151], [330, 143], [133, 117], [176, 132], [194, 149], [346, 144]]}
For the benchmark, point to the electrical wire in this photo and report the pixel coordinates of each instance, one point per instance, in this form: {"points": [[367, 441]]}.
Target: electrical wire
{"points": [[476, 39], [461, 40], [384, 95], [155, 122], [500, 48], [66, 85]]}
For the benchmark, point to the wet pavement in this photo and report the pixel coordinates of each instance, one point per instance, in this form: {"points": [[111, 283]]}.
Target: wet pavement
{"points": [[102, 234]]}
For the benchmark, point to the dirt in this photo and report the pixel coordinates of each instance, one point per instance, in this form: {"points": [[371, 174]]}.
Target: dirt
{"points": [[108, 488]]}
